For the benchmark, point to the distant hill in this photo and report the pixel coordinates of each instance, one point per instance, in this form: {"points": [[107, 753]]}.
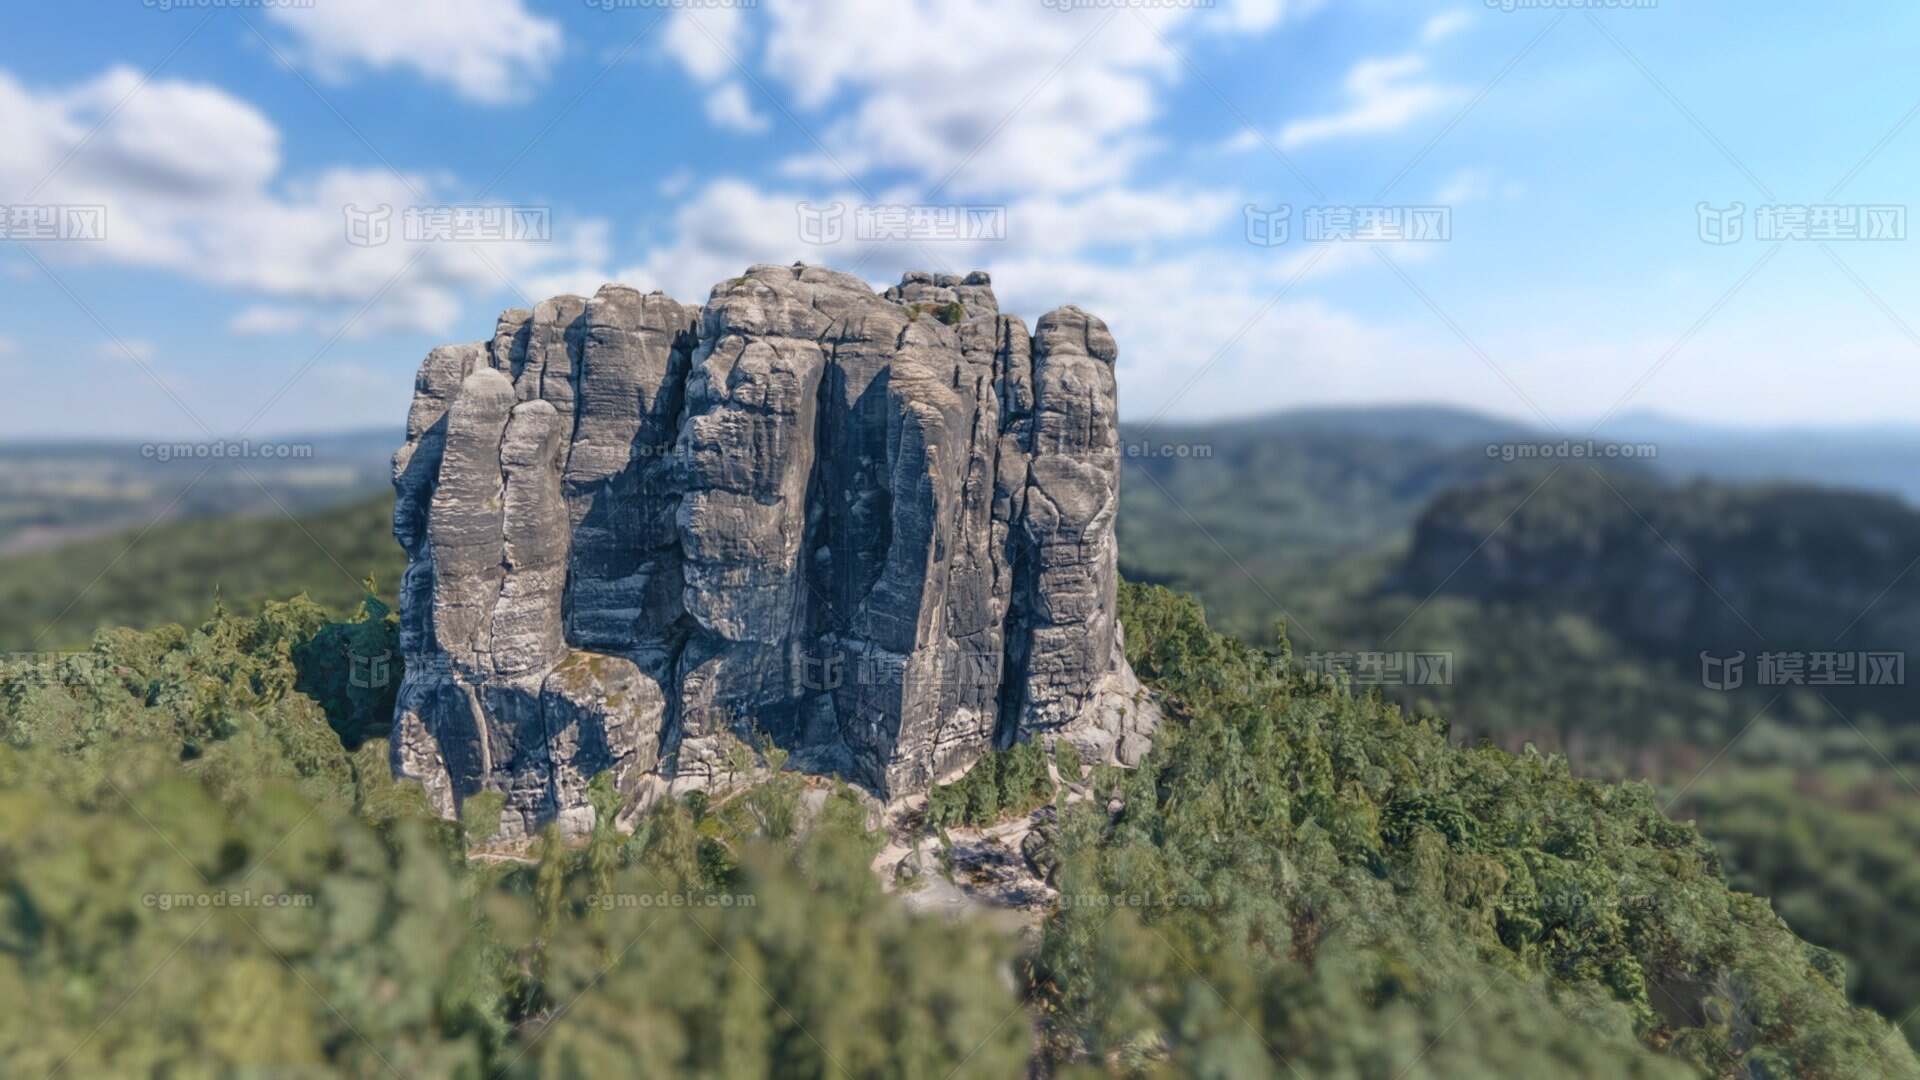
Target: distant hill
{"points": [[1567, 614], [56, 492], [1577, 611], [1679, 568], [1243, 511], [1882, 457], [1248, 511], [53, 600], [1431, 424]]}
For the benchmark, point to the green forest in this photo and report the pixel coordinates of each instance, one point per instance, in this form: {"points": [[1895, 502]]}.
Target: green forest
{"points": [[209, 871]]}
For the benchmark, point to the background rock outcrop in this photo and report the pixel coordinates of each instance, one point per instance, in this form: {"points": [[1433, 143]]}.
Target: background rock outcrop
{"points": [[876, 529]]}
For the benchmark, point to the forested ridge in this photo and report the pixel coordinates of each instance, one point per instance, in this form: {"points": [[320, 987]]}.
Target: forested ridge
{"points": [[1295, 878]]}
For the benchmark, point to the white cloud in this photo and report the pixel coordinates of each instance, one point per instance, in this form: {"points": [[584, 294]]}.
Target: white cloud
{"points": [[1475, 185], [267, 319], [1117, 217], [1244, 139], [127, 351], [1055, 98], [1176, 321], [185, 140], [8, 346], [1048, 101], [1444, 25], [1467, 185], [1254, 16], [1212, 331], [1383, 96], [711, 45], [191, 180], [578, 280], [707, 43], [1057, 101], [728, 107], [731, 224], [675, 184], [487, 51]]}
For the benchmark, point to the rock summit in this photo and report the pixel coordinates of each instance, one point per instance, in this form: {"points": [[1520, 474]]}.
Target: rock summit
{"points": [[874, 529]]}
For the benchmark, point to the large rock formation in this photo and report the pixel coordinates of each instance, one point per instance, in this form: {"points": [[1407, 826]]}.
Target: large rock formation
{"points": [[875, 529]]}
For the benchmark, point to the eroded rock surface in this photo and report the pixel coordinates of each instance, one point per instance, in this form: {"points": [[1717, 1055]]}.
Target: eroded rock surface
{"points": [[876, 529]]}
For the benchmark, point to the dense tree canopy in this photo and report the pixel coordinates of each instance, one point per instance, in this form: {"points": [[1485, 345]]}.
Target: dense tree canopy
{"points": [[198, 876]]}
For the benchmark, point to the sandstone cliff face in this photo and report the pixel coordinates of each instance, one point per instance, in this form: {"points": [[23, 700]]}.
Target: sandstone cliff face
{"points": [[875, 529]]}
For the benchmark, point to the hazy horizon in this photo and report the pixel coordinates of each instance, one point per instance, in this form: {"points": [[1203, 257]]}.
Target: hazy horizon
{"points": [[1570, 427]]}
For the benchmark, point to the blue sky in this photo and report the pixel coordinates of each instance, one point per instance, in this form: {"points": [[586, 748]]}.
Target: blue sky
{"points": [[1121, 146]]}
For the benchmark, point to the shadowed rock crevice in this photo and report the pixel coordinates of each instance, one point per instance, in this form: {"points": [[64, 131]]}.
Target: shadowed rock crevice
{"points": [[876, 529]]}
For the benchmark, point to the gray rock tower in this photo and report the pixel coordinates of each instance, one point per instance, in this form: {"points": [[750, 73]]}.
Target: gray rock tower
{"points": [[876, 529]]}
